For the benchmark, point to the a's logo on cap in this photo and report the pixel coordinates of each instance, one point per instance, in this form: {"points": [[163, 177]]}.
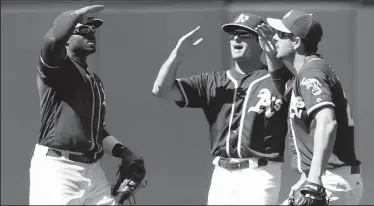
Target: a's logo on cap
{"points": [[288, 14], [242, 18]]}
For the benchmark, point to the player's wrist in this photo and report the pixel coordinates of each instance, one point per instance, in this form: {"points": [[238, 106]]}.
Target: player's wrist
{"points": [[274, 63], [120, 151]]}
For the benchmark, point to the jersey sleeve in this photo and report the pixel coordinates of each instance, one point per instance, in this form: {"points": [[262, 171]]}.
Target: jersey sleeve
{"points": [[194, 90], [61, 76], [315, 87]]}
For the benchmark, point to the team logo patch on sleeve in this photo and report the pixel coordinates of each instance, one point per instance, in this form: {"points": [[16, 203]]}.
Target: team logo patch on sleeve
{"points": [[312, 84]]}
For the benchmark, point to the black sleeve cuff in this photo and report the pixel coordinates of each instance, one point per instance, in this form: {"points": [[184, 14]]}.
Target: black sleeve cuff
{"points": [[281, 74]]}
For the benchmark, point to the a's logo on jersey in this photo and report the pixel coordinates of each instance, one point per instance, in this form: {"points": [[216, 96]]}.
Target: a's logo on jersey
{"points": [[296, 106], [242, 18], [265, 103], [313, 84]]}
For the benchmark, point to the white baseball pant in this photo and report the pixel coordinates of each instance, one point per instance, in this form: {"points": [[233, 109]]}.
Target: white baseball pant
{"points": [[60, 181], [342, 187], [256, 185]]}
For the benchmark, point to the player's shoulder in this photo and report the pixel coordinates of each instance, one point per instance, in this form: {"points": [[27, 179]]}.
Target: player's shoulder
{"points": [[213, 74], [315, 62], [315, 66]]}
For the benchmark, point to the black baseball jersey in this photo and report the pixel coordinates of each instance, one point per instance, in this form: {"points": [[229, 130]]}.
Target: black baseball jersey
{"points": [[72, 103], [314, 87], [244, 111]]}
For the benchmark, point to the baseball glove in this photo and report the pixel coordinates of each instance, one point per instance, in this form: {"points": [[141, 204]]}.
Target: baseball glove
{"points": [[130, 178], [309, 194]]}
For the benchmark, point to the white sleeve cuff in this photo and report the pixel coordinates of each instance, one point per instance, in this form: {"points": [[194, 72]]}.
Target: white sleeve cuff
{"points": [[183, 92], [322, 104]]}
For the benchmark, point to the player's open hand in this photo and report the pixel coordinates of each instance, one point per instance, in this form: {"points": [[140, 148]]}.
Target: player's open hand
{"points": [[88, 12], [187, 42], [266, 39]]}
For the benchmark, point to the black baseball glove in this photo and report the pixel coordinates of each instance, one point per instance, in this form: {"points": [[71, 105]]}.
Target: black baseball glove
{"points": [[130, 178], [309, 194]]}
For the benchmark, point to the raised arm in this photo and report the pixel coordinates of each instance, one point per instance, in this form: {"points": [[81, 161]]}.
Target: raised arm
{"points": [[279, 73], [165, 85], [53, 50]]}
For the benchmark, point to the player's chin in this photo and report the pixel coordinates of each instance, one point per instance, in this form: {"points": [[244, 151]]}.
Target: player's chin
{"points": [[281, 55], [237, 56], [90, 50]]}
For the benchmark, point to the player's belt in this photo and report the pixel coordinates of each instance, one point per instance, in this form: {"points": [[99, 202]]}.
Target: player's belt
{"points": [[355, 169], [73, 157], [242, 164]]}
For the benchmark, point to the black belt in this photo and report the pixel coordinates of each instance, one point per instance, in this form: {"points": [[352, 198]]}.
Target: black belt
{"points": [[355, 169], [73, 157], [243, 164]]}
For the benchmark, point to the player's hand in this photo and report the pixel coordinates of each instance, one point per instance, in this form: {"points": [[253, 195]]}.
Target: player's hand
{"points": [[267, 43], [310, 194], [187, 42], [87, 13]]}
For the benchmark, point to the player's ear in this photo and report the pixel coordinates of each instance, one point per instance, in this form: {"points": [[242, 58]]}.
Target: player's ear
{"points": [[67, 43], [297, 43]]}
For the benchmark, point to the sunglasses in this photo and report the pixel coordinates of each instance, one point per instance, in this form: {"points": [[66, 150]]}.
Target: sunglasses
{"points": [[242, 34], [84, 30], [284, 35]]}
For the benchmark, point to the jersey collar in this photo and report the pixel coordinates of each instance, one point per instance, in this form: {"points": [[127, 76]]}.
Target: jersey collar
{"points": [[238, 75]]}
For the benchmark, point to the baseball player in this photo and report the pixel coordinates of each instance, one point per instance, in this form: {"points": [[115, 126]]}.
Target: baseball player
{"points": [[65, 167], [244, 112], [319, 114]]}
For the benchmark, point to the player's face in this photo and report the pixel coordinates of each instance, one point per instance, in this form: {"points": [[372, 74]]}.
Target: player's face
{"points": [[244, 45], [83, 40], [285, 44]]}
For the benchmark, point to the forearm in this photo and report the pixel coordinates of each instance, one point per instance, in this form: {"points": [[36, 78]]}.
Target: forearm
{"points": [[57, 37], [324, 140], [274, 63], [115, 148], [280, 78], [165, 80]]}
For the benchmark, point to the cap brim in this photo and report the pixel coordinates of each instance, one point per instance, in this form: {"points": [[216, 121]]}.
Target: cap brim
{"points": [[232, 26], [278, 25], [96, 23]]}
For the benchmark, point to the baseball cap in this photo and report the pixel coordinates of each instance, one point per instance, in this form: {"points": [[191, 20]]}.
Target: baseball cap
{"points": [[299, 23], [95, 22], [246, 21]]}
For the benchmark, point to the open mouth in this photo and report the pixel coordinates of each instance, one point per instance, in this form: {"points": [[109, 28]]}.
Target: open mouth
{"points": [[238, 47]]}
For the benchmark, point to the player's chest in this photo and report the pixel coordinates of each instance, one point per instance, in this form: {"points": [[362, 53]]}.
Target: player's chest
{"points": [[256, 96], [90, 92]]}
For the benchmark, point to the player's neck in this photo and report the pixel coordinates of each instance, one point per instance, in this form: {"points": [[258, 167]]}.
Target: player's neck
{"points": [[81, 59], [295, 62], [249, 66]]}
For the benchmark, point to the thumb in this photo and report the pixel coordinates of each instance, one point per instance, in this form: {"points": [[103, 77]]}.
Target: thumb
{"points": [[198, 42], [291, 192]]}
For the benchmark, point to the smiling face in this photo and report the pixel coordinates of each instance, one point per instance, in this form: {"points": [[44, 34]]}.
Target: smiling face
{"points": [[83, 40], [244, 45]]}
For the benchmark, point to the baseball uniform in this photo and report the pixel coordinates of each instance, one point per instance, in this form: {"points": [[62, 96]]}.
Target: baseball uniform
{"points": [[65, 167], [247, 133], [314, 87]]}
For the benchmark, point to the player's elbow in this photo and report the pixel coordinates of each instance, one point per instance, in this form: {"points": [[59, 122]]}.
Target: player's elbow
{"points": [[160, 90], [157, 91], [332, 126]]}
